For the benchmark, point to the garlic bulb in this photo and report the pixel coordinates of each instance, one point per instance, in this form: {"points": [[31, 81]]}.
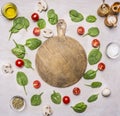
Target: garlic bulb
{"points": [[111, 21]]}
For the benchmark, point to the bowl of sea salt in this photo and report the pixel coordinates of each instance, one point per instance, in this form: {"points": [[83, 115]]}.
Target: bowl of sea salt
{"points": [[113, 50]]}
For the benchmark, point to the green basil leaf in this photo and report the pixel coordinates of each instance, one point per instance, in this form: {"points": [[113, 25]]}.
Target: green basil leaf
{"points": [[33, 43], [36, 100], [91, 19], [19, 50], [94, 56], [75, 16], [22, 80], [52, 17], [41, 23], [18, 24], [56, 97], [79, 107], [27, 63], [93, 98], [95, 84], [93, 32], [90, 74]]}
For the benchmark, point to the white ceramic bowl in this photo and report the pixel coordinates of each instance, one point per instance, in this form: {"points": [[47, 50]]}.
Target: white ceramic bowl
{"points": [[113, 50]]}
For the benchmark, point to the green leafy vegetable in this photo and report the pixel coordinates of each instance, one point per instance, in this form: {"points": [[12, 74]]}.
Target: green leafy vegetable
{"points": [[18, 24], [90, 74], [94, 56], [79, 107], [93, 32], [19, 50], [56, 97], [91, 19], [41, 23], [75, 16], [93, 98], [52, 17], [36, 100], [22, 80], [33, 43], [95, 84], [27, 63]]}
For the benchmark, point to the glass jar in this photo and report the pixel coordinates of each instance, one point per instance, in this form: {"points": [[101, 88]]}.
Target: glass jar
{"points": [[9, 10]]}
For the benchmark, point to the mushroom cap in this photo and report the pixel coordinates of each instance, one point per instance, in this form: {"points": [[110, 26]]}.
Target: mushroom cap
{"points": [[61, 61]]}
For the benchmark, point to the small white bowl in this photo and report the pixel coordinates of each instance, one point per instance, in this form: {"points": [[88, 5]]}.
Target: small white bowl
{"points": [[19, 100], [113, 50]]}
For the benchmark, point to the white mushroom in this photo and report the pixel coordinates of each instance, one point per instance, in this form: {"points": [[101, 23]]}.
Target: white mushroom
{"points": [[47, 110], [47, 33], [7, 68], [106, 92], [42, 6]]}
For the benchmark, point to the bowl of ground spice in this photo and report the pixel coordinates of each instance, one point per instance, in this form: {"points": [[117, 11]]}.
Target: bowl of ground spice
{"points": [[17, 103]]}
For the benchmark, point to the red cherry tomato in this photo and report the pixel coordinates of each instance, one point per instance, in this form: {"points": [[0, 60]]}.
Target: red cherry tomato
{"points": [[66, 99], [35, 17], [36, 31], [36, 84], [76, 91], [95, 43], [101, 66], [80, 30], [19, 63]]}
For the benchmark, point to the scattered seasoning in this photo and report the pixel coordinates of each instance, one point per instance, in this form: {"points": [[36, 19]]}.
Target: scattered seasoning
{"points": [[17, 103]]}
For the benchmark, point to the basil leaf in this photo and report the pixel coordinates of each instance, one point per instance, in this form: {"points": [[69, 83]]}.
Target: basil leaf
{"points": [[93, 98], [41, 23], [36, 100], [90, 74], [56, 97], [52, 17], [93, 32], [79, 107], [18, 24], [22, 80], [27, 63], [19, 50], [95, 84], [75, 16], [91, 19], [33, 43], [94, 56]]}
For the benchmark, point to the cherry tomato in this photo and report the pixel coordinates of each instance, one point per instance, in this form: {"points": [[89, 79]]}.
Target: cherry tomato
{"points": [[36, 84], [101, 66], [95, 43], [19, 63], [66, 99], [36, 31], [35, 17], [80, 30], [76, 91]]}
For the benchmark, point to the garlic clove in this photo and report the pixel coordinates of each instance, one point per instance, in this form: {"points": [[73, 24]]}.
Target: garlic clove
{"points": [[111, 21], [106, 92], [103, 10]]}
